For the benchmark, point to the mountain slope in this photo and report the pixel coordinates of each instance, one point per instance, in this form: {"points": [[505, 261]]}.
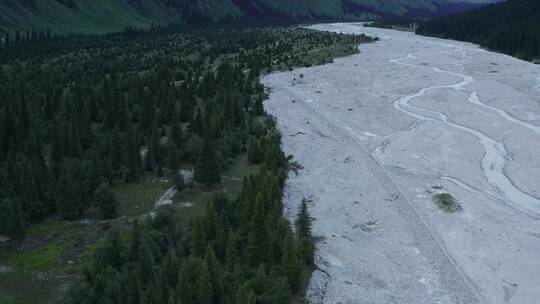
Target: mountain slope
{"points": [[99, 16], [511, 27]]}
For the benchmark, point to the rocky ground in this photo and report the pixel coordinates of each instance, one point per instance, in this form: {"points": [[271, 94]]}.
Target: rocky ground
{"points": [[379, 134]]}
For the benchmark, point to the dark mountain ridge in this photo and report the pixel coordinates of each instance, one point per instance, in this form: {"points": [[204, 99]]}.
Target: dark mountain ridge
{"points": [[101, 16]]}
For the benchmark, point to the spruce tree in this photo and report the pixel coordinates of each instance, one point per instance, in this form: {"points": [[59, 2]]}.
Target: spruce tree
{"points": [[74, 146], [175, 129], [279, 292], [289, 261], [86, 133], [197, 238], [67, 200], [109, 254], [30, 201], [179, 182], [173, 159], [145, 265], [303, 229], [244, 295], [133, 159], [57, 145], [204, 285], [14, 219], [258, 108], [106, 201], [214, 269], [231, 252], [257, 245], [149, 158], [147, 113], [117, 151], [135, 243], [207, 168], [108, 171], [154, 144], [254, 151]]}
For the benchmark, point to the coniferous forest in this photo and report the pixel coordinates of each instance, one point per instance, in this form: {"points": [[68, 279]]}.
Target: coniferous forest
{"points": [[81, 115], [511, 27]]}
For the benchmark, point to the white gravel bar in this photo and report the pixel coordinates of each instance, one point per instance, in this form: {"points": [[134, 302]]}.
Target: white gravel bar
{"points": [[379, 133]]}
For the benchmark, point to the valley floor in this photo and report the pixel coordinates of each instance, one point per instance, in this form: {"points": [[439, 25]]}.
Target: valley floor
{"points": [[381, 132]]}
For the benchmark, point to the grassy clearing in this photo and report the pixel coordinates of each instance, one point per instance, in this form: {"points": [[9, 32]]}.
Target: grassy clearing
{"points": [[138, 199], [52, 247], [232, 181], [240, 167], [42, 258], [38, 268], [54, 252], [27, 287]]}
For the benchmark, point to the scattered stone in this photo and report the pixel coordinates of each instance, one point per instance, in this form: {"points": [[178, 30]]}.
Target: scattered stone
{"points": [[42, 275], [295, 167], [187, 175], [392, 198], [297, 133], [509, 283], [166, 198], [436, 186], [166, 202], [347, 238], [4, 269], [369, 226], [319, 238], [231, 178], [32, 242]]}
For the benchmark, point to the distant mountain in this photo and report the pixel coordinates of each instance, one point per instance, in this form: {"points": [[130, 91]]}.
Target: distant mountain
{"points": [[99, 16], [511, 27]]}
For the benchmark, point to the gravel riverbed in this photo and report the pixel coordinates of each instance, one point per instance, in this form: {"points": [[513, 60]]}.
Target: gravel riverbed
{"points": [[379, 133]]}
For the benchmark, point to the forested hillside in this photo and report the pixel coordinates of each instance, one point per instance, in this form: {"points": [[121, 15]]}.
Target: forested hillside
{"points": [[100, 16], [93, 127], [511, 27]]}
